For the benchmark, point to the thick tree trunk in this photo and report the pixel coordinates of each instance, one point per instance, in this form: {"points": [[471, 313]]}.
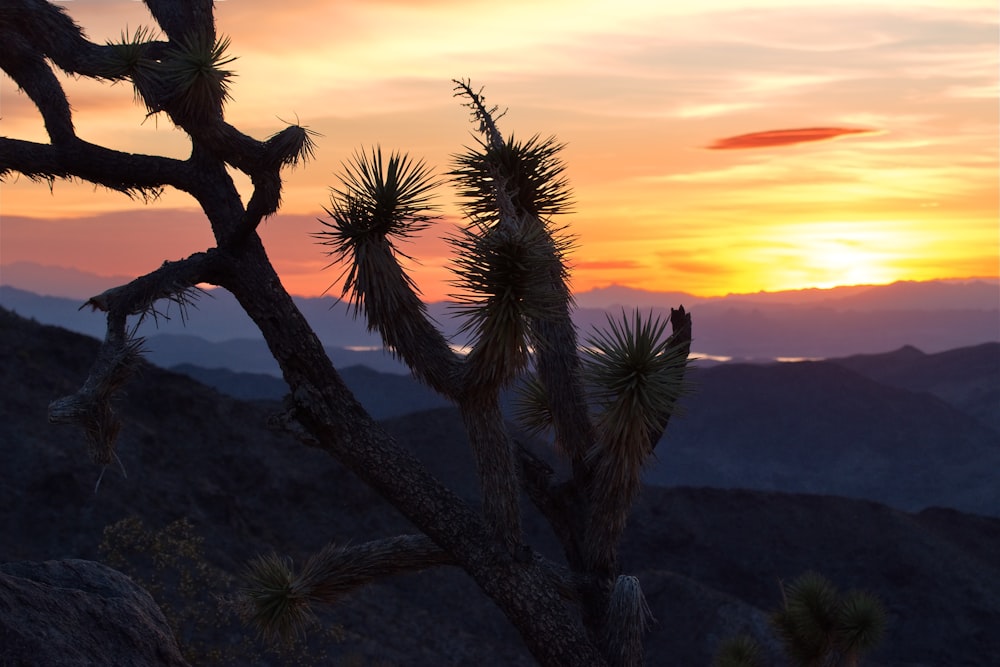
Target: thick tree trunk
{"points": [[322, 403]]}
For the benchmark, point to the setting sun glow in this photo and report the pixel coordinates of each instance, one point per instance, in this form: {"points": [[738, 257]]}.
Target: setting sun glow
{"points": [[731, 147]]}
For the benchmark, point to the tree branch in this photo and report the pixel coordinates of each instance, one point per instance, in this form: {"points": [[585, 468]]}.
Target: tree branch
{"points": [[337, 423], [27, 67], [91, 406], [180, 19], [498, 473], [53, 34], [129, 173]]}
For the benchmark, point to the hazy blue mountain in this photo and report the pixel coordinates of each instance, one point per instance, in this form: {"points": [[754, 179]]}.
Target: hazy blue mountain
{"points": [[215, 315], [243, 386], [747, 332], [932, 316], [384, 395], [813, 427], [250, 355], [967, 378], [971, 294], [57, 280], [817, 427]]}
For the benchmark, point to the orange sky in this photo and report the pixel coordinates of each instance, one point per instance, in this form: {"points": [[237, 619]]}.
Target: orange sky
{"points": [[733, 147]]}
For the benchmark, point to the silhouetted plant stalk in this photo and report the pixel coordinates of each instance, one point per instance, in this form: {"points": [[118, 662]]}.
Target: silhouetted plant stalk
{"points": [[512, 294]]}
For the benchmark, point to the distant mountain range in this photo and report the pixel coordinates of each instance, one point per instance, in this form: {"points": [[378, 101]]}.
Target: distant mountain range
{"points": [[932, 316], [384, 395], [868, 426], [709, 560], [917, 439]]}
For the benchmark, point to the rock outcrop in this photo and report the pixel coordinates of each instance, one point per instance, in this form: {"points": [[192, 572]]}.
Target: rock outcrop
{"points": [[77, 612]]}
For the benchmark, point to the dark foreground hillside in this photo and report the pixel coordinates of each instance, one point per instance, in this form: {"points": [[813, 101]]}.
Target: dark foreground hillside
{"points": [[709, 560]]}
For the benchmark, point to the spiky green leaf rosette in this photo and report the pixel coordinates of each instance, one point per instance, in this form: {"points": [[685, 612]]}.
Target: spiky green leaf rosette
{"points": [[194, 72], [129, 56], [635, 377], [277, 604], [807, 623], [503, 274], [818, 622], [531, 408], [279, 601], [530, 172], [379, 203], [739, 651], [862, 620], [510, 266]]}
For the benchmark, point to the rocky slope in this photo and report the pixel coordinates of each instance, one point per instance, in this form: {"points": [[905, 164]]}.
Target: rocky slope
{"points": [[709, 560]]}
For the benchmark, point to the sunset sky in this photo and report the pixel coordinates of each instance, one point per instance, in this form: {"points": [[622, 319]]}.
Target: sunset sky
{"points": [[726, 146]]}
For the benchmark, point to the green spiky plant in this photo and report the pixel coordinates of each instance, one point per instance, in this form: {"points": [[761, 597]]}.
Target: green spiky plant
{"points": [[197, 597], [817, 625], [605, 409], [739, 651]]}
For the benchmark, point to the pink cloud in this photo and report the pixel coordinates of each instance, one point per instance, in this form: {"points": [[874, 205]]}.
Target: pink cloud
{"points": [[789, 137]]}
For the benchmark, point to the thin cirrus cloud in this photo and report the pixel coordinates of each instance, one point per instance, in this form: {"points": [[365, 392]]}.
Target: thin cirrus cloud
{"points": [[790, 137]]}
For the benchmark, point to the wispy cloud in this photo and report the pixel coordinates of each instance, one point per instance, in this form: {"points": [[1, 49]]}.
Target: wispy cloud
{"points": [[770, 138]]}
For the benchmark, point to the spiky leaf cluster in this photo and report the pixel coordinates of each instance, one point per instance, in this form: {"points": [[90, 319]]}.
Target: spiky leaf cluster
{"points": [[635, 377], [378, 204], [290, 147], [740, 651], [129, 57], [530, 172], [817, 622], [807, 623], [278, 603], [193, 71], [505, 280], [531, 408], [861, 620]]}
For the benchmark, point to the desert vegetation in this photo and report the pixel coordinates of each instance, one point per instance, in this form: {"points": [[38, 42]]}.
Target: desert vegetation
{"points": [[817, 625], [605, 408]]}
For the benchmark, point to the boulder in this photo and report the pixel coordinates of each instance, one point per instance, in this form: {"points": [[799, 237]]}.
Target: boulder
{"points": [[78, 612]]}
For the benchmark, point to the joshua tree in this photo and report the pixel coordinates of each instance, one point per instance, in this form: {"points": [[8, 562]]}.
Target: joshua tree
{"points": [[817, 625], [606, 408], [821, 627]]}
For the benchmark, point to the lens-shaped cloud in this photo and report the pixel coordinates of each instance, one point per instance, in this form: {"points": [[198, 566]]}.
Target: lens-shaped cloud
{"points": [[789, 137]]}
